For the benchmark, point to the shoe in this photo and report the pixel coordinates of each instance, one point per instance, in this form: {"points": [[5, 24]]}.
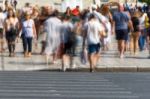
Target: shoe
{"points": [[25, 54], [92, 70], [29, 54], [121, 56], [13, 54], [64, 69]]}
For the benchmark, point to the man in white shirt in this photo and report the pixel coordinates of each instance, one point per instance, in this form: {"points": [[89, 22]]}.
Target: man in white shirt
{"points": [[94, 31]]}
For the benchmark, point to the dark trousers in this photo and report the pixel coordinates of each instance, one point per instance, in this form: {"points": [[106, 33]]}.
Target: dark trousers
{"points": [[27, 44]]}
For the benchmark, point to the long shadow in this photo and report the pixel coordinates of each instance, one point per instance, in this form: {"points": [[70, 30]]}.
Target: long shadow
{"points": [[27, 63], [136, 57]]}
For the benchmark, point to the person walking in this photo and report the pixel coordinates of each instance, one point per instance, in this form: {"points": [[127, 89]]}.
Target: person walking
{"points": [[121, 24], [11, 30], [52, 27], [93, 32], [67, 41], [28, 33], [142, 39], [135, 34]]}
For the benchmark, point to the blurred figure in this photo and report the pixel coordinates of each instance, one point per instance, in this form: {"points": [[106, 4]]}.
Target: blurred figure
{"points": [[28, 33], [2, 18], [68, 12], [52, 27], [107, 40], [46, 13], [14, 4], [142, 39], [27, 8], [93, 33], [135, 34], [67, 41], [6, 4], [11, 30], [121, 24]]}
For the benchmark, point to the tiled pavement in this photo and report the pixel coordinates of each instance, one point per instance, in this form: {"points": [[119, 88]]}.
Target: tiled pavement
{"points": [[109, 62]]}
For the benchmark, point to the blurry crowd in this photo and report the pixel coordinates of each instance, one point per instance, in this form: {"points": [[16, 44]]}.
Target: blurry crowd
{"points": [[61, 33]]}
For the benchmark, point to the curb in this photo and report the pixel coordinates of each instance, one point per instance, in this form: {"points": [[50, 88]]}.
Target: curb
{"points": [[103, 69]]}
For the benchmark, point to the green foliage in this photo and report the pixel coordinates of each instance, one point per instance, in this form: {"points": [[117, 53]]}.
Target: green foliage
{"points": [[147, 1]]}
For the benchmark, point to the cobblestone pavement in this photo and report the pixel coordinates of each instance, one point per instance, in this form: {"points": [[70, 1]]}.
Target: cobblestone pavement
{"points": [[109, 61]]}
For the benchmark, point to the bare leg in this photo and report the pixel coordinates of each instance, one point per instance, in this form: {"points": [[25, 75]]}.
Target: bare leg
{"points": [[65, 62]]}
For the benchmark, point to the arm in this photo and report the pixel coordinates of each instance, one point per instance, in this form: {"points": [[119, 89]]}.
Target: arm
{"points": [[34, 30]]}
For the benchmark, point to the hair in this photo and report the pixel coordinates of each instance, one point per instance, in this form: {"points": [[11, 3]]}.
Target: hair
{"points": [[14, 15], [1, 10], [68, 8], [92, 16], [105, 9], [55, 13]]}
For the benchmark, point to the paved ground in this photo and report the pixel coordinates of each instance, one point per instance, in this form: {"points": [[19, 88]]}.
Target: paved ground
{"points": [[109, 61], [57, 85]]}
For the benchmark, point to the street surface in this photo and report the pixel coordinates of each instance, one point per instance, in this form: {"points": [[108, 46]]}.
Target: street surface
{"points": [[71, 85]]}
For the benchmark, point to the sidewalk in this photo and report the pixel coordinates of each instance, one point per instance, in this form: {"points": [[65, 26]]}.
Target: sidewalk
{"points": [[109, 62]]}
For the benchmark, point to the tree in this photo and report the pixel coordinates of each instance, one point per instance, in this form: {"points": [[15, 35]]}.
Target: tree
{"points": [[146, 1]]}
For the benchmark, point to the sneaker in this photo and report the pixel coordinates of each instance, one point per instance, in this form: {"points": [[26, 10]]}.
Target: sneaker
{"points": [[121, 56], [64, 69]]}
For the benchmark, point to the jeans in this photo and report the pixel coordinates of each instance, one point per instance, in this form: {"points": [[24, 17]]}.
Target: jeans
{"points": [[142, 40], [27, 43]]}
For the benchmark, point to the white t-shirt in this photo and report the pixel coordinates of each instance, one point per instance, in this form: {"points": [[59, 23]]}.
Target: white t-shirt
{"points": [[28, 28], [93, 28], [142, 21], [2, 18]]}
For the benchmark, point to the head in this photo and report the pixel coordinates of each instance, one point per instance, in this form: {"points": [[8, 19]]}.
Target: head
{"points": [[105, 10], [121, 8], [55, 13], [92, 16], [68, 10], [77, 7], [27, 4], [11, 13], [94, 7], [27, 16]]}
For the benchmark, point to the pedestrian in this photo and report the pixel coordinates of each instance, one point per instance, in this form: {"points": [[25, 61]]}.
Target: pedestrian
{"points": [[2, 18], [142, 39], [46, 12], [93, 33], [15, 4], [134, 38], [108, 16], [11, 30], [68, 12], [121, 24], [67, 41], [28, 33], [52, 28]]}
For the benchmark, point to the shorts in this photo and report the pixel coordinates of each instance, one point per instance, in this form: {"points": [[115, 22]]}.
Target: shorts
{"points": [[93, 48], [10, 37], [122, 34], [68, 48]]}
